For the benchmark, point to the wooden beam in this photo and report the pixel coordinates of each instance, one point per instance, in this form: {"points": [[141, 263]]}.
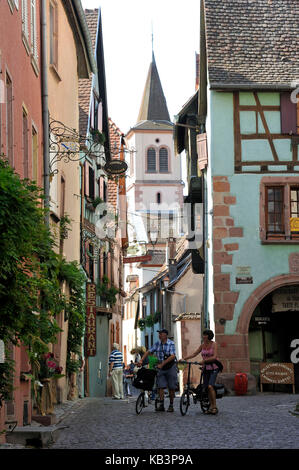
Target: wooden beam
{"points": [[237, 130], [268, 135]]}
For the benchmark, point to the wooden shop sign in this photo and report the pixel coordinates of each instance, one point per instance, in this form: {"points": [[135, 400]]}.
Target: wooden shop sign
{"points": [[277, 373], [116, 167], [137, 259], [91, 318], [286, 299]]}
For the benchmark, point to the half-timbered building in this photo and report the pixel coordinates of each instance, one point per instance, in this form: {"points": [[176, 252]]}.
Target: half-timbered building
{"points": [[249, 163]]}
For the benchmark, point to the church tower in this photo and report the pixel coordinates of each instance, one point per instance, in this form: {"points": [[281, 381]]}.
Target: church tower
{"points": [[154, 183]]}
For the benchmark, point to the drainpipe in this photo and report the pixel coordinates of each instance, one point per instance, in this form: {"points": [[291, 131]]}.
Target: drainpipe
{"points": [[205, 238], [45, 110]]}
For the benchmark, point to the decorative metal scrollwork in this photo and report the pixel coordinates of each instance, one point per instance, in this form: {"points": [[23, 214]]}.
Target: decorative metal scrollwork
{"points": [[67, 145], [96, 243]]}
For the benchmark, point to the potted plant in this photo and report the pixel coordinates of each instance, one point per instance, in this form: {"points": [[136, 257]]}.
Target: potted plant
{"points": [[48, 370], [107, 292]]}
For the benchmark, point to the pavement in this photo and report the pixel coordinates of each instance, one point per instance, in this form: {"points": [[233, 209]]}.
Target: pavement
{"points": [[39, 435], [261, 421]]}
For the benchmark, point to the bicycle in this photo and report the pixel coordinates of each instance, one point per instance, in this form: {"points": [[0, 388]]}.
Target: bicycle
{"points": [[142, 399], [199, 394], [145, 381]]}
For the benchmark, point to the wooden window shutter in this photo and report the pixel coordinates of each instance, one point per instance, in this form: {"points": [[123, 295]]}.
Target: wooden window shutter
{"points": [[25, 18], [288, 113], [86, 179], [91, 182], [100, 117], [25, 145], [101, 188], [33, 29]]}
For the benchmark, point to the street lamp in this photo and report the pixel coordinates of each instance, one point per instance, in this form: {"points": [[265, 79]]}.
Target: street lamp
{"points": [[152, 235], [166, 281]]}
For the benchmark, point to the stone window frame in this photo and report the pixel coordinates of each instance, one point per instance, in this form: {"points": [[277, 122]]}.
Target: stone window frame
{"points": [[285, 182]]}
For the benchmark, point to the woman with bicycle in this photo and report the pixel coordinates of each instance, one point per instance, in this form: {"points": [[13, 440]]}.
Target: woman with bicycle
{"points": [[208, 350]]}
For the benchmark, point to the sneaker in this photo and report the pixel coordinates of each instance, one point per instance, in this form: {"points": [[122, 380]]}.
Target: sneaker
{"points": [[170, 408], [160, 407]]}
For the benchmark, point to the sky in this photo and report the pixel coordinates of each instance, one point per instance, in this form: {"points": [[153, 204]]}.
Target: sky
{"points": [[127, 36]]}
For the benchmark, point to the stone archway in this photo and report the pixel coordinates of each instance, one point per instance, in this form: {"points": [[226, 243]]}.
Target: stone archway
{"points": [[259, 293], [234, 348]]}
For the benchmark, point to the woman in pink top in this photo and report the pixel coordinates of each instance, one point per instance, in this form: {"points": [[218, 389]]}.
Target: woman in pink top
{"points": [[208, 350]]}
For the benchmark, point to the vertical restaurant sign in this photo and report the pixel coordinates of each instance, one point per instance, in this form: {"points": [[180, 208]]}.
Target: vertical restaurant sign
{"points": [[90, 327]]}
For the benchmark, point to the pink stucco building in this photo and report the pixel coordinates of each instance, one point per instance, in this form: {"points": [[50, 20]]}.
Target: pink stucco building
{"points": [[20, 140]]}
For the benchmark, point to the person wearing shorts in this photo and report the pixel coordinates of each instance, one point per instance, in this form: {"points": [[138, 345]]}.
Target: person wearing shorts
{"points": [[208, 350], [166, 378]]}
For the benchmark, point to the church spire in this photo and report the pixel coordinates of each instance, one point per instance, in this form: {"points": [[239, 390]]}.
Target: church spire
{"points": [[153, 105]]}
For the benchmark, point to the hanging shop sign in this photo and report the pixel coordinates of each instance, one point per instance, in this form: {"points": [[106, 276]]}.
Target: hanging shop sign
{"points": [[137, 259], [277, 373], [243, 275], [116, 167], [286, 299], [90, 322]]}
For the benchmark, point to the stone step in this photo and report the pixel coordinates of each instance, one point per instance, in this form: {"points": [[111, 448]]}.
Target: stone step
{"points": [[35, 436]]}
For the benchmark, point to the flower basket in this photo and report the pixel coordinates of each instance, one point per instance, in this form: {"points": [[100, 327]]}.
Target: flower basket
{"points": [[46, 404]]}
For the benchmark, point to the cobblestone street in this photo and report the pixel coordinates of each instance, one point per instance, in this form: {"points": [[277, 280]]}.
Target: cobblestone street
{"points": [[263, 421]]}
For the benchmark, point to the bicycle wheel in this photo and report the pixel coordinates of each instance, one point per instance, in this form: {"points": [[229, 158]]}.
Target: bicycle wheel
{"points": [[184, 403], [140, 403]]}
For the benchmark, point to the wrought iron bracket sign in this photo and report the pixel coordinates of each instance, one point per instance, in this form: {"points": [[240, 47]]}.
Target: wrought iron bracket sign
{"points": [[67, 145], [97, 244], [116, 167]]}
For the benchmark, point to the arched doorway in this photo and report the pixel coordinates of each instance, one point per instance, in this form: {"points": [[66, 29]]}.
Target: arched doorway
{"points": [[271, 318]]}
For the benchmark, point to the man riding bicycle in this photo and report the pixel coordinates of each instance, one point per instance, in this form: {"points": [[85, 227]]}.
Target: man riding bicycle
{"points": [[167, 370]]}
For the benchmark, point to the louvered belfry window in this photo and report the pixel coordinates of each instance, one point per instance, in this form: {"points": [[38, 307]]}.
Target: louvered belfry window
{"points": [[163, 160], [151, 160]]}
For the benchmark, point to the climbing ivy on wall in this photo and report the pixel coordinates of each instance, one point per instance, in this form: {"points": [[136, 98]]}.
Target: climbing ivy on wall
{"points": [[31, 275]]}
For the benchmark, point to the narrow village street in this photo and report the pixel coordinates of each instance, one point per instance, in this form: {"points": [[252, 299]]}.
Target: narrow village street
{"points": [[149, 222], [245, 422]]}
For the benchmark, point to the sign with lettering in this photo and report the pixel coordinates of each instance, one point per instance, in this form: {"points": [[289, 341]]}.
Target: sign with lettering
{"points": [[116, 167], [286, 299], [91, 317], [262, 320], [294, 263], [277, 373], [243, 275], [137, 259]]}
